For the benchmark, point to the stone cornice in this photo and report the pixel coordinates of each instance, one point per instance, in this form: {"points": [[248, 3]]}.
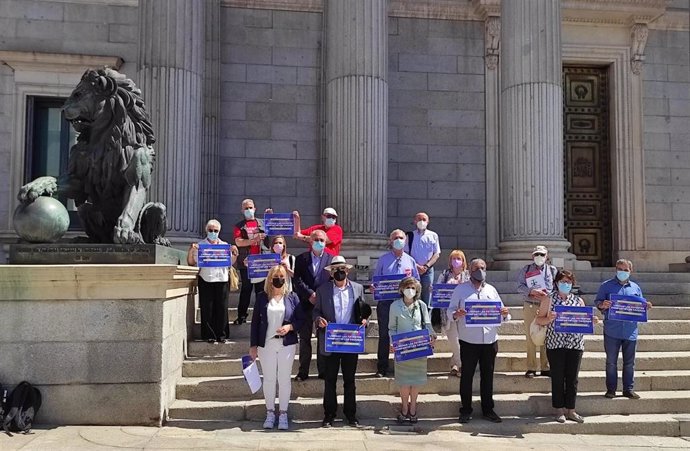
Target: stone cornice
{"points": [[56, 62]]}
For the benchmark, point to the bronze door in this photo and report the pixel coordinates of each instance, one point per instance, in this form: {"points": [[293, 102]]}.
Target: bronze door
{"points": [[587, 164]]}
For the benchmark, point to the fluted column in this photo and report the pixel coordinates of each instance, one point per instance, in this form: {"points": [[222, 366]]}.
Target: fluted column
{"points": [[356, 176], [170, 72], [531, 152]]}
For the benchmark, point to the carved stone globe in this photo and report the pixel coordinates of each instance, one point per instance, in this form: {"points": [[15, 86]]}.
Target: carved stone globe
{"points": [[44, 220]]}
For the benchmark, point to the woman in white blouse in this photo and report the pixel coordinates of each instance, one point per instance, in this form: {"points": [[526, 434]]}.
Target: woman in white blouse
{"points": [[277, 315]]}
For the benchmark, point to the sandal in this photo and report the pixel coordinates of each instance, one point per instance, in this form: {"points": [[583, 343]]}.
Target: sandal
{"points": [[573, 416], [412, 417], [402, 417]]}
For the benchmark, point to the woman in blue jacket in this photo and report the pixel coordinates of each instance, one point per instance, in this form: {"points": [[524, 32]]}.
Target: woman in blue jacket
{"points": [[276, 318]]}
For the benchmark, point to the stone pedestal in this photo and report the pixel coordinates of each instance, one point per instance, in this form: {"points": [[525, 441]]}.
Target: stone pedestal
{"points": [[356, 179], [531, 153], [103, 343], [80, 254]]}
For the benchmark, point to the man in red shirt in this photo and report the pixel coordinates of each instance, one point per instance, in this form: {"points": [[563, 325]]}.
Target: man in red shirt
{"points": [[249, 234], [334, 232]]}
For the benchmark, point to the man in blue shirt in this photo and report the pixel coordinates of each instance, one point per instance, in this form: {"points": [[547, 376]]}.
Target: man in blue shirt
{"points": [[619, 334], [394, 262], [424, 246]]}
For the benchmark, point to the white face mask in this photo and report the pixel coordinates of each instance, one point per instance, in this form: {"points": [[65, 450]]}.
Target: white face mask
{"points": [[278, 248], [539, 260], [421, 225], [409, 293]]}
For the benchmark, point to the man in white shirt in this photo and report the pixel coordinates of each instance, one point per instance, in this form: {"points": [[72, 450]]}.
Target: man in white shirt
{"points": [[477, 344]]}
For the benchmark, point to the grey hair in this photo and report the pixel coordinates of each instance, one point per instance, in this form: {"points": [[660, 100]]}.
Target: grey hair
{"points": [[625, 261], [246, 201], [213, 222], [390, 236], [476, 260]]}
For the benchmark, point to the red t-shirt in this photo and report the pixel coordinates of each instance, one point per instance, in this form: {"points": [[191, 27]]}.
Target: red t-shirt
{"points": [[334, 234], [252, 227]]}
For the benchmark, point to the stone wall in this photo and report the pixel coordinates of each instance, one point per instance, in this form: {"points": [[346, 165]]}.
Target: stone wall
{"points": [[101, 352], [666, 75], [436, 133]]}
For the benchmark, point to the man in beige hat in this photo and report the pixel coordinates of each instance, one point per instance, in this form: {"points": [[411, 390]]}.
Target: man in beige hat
{"points": [[334, 232], [535, 281]]}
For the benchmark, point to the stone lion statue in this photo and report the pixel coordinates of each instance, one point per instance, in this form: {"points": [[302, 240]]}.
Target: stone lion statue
{"points": [[110, 166]]}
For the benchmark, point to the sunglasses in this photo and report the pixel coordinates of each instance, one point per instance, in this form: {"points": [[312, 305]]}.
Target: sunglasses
{"points": [[330, 216], [539, 255]]}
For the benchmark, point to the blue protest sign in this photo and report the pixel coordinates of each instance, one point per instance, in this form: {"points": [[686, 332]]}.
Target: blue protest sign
{"points": [[386, 287], [279, 224], [441, 294], [628, 308], [213, 255], [347, 338], [412, 345], [483, 313], [573, 319], [258, 265]]}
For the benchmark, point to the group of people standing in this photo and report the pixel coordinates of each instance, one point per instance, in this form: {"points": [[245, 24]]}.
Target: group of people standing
{"points": [[305, 293]]}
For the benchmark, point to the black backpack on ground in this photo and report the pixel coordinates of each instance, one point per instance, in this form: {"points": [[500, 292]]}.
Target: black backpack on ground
{"points": [[20, 409]]}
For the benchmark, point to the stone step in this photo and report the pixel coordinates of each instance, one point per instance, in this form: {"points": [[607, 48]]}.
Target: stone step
{"points": [[440, 362], [507, 343], [634, 426], [438, 406], [235, 388]]}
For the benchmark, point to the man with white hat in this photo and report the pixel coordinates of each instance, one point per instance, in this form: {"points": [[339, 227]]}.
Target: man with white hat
{"points": [[535, 282], [334, 232]]}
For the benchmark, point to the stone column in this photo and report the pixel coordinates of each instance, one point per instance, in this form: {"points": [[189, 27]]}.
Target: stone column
{"points": [[356, 169], [170, 72], [531, 151]]}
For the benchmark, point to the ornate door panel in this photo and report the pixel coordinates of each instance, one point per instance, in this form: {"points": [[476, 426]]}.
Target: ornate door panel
{"points": [[587, 164]]}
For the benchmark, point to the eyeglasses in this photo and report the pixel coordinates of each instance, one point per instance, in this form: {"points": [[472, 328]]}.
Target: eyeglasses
{"points": [[539, 255], [330, 216]]}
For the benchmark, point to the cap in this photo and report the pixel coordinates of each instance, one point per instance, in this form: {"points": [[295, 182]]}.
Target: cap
{"points": [[329, 211], [540, 250], [337, 262]]}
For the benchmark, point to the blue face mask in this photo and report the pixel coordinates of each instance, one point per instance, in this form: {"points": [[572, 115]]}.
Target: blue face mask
{"points": [[329, 222], [249, 214], [318, 246], [622, 275], [212, 236], [565, 287], [398, 244]]}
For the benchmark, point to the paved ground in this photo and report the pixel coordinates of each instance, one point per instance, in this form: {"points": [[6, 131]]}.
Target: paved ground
{"points": [[305, 437]]}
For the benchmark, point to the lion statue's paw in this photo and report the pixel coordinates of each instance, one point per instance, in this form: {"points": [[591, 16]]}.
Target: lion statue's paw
{"points": [[125, 235], [40, 187]]}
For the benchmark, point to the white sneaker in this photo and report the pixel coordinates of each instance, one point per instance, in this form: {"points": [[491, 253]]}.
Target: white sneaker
{"points": [[270, 420], [283, 421]]}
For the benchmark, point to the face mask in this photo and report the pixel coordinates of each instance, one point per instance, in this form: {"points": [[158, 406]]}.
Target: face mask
{"points": [[622, 275], [457, 263], [329, 222], [249, 214], [539, 260], [479, 275], [278, 282], [318, 246], [565, 287], [421, 225], [409, 293], [212, 236], [339, 275], [278, 248], [398, 244]]}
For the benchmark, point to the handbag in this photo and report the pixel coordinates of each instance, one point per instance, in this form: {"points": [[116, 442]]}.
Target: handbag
{"points": [[537, 332], [233, 279]]}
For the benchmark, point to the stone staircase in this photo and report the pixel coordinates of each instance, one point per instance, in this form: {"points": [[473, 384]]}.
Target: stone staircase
{"points": [[213, 388]]}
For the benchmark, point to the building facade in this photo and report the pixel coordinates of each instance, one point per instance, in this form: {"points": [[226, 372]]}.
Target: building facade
{"points": [[565, 123]]}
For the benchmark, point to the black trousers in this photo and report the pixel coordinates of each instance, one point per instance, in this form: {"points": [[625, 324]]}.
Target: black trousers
{"points": [[383, 309], [565, 366], [485, 356], [246, 293], [213, 302], [305, 348], [333, 363]]}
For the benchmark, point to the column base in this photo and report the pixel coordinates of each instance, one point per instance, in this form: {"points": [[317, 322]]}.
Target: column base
{"points": [[363, 251], [513, 255]]}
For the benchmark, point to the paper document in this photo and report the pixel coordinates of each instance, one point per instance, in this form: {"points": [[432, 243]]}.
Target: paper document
{"points": [[252, 376]]}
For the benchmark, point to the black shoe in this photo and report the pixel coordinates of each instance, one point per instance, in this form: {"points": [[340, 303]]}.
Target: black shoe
{"points": [[631, 395], [240, 320], [380, 374], [530, 374], [465, 418], [354, 422], [491, 416], [610, 394], [546, 373], [327, 423], [211, 340], [301, 377]]}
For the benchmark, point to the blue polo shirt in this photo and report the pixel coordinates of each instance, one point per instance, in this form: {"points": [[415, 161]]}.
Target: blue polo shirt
{"points": [[389, 264], [623, 330]]}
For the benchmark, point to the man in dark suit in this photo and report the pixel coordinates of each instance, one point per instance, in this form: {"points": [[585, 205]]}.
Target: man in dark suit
{"points": [[310, 274], [339, 301]]}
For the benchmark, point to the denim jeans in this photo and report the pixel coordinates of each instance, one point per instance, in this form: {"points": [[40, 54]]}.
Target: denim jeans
{"points": [[427, 279], [612, 346]]}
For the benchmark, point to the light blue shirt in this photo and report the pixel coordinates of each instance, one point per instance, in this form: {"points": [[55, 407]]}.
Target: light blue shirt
{"points": [[343, 302], [315, 262], [467, 292], [424, 245], [389, 264], [623, 330]]}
